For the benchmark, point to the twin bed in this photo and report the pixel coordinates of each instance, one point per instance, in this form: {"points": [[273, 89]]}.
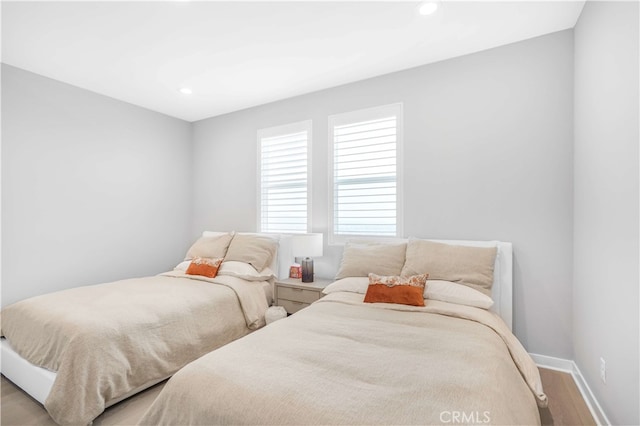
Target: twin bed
{"points": [[339, 361], [81, 350]]}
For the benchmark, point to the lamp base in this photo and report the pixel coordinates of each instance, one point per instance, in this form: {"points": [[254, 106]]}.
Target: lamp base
{"points": [[307, 270]]}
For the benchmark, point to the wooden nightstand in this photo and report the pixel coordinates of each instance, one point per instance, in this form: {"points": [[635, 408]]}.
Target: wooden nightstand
{"points": [[293, 294]]}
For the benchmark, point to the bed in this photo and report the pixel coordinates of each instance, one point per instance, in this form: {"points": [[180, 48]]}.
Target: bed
{"points": [[81, 350], [343, 361]]}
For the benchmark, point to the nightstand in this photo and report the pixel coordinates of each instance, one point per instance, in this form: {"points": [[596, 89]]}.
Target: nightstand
{"points": [[293, 294]]}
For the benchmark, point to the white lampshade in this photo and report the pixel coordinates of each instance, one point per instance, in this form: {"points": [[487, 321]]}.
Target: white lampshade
{"points": [[306, 245]]}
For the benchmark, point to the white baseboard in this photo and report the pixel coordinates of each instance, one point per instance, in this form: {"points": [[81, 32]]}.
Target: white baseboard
{"points": [[596, 410], [553, 363], [569, 366]]}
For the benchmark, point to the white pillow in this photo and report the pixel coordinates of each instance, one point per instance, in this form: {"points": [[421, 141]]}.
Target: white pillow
{"points": [[182, 266], [245, 271], [447, 291], [235, 269], [349, 284]]}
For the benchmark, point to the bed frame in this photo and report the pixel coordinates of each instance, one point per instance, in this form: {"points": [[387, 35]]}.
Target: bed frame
{"points": [[37, 381]]}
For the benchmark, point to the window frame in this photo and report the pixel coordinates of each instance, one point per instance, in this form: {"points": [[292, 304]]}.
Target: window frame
{"points": [[356, 116], [282, 130]]}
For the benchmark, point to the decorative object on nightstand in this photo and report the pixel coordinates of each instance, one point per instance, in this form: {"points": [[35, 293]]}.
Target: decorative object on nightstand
{"points": [[294, 295], [295, 271], [306, 246]]}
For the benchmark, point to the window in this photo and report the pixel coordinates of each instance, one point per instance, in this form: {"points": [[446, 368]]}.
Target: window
{"points": [[284, 179], [365, 148]]}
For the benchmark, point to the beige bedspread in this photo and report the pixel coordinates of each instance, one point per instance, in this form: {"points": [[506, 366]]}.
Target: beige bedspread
{"points": [[106, 340], [340, 361]]}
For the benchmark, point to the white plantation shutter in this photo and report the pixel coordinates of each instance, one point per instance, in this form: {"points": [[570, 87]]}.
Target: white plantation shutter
{"points": [[365, 178], [284, 178]]}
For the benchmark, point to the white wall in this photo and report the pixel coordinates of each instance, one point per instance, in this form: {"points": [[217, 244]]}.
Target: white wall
{"points": [[93, 189], [487, 155], [606, 254]]}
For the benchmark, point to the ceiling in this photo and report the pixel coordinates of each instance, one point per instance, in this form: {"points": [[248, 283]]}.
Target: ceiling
{"points": [[234, 55]]}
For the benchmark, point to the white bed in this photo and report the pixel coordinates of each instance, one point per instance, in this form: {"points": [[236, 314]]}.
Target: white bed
{"points": [[38, 382]]}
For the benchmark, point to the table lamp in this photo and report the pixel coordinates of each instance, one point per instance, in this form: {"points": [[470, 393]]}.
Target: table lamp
{"points": [[306, 246]]}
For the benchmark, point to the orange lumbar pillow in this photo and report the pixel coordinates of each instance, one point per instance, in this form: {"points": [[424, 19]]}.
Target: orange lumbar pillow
{"points": [[394, 289], [204, 266]]}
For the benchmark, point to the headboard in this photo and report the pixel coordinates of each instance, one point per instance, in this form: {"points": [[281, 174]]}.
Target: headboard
{"points": [[501, 291]]}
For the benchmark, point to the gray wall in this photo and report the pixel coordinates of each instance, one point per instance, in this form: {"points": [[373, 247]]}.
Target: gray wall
{"points": [[606, 277], [93, 189], [487, 155]]}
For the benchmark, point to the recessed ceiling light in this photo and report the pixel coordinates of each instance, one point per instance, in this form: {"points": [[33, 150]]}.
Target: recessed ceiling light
{"points": [[428, 8], [185, 91]]}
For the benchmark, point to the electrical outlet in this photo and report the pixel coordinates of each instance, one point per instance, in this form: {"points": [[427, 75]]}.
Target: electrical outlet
{"points": [[603, 370]]}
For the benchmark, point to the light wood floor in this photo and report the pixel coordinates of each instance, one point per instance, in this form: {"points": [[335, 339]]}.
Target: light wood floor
{"points": [[18, 408], [566, 406]]}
